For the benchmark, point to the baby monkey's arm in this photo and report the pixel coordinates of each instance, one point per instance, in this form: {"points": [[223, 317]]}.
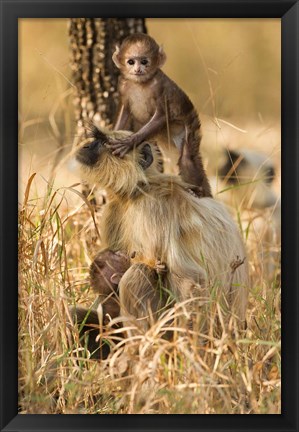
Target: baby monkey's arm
{"points": [[155, 124], [122, 117]]}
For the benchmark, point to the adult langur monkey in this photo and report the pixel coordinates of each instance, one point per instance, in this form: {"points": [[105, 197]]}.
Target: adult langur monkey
{"points": [[158, 219]]}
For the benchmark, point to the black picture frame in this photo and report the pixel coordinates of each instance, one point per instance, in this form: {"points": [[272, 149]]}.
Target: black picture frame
{"points": [[11, 11]]}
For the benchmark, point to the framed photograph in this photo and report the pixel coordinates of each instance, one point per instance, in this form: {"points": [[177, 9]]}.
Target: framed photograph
{"points": [[150, 272]]}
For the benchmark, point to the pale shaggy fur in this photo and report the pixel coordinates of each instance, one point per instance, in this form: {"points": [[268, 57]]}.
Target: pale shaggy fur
{"points": [[156, 216]]}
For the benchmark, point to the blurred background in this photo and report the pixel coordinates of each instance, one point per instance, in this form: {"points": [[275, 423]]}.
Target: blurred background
{"points": [[230, 68]]}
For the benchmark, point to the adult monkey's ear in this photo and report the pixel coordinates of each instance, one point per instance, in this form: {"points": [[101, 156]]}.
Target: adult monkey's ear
{"points": [[162, 56], [98, 134], [115, 57], [146, 156]]}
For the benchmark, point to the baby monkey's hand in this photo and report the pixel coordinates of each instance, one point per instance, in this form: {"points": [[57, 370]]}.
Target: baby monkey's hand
{"points": [[120, 147], [160, 267]]}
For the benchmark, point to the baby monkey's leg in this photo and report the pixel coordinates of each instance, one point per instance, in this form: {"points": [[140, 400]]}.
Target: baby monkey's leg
{"points": [[191, 166], [87, 323]]}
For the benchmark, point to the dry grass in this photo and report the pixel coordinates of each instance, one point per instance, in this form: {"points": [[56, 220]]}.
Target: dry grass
{"points": [[231, 373]]}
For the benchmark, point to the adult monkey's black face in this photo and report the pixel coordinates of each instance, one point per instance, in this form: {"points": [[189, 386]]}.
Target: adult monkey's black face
{"points": [[90, 154]]}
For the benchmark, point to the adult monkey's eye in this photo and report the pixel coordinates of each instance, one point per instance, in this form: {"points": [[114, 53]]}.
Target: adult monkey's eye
{"points": [[131, 62], [144, 62]]}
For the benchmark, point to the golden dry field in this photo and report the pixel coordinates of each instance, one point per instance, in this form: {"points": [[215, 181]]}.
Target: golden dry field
{"points": [[230, 68]]}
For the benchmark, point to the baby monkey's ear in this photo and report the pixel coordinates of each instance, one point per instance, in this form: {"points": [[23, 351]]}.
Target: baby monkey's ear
{"points": [[115, 278], [115, 57], [146, 156], [162, 56]]}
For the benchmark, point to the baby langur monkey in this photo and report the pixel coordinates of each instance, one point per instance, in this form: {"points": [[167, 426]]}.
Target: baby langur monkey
{"points": [[105, 272], [158, 107]]}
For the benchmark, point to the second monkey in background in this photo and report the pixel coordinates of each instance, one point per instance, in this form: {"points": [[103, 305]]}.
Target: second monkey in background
{"points": [[158, 107]]}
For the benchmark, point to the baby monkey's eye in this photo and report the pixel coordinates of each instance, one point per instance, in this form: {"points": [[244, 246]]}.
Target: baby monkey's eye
{"points": [[144, 61], [131, 62]]}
